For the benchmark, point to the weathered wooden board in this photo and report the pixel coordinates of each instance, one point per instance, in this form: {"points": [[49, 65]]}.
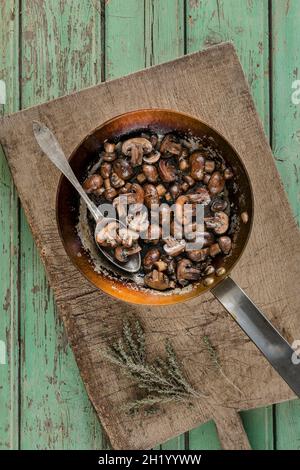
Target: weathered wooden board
{"points": [[246, 25], [223, 93], [9, 372], [285, 17], [60, 52]]}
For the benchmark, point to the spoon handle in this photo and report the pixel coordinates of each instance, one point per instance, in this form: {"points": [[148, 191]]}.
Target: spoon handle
{"points": [[50, 146]]}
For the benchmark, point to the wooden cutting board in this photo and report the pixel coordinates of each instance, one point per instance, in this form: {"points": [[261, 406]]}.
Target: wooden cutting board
{"points": [[209, 85]]}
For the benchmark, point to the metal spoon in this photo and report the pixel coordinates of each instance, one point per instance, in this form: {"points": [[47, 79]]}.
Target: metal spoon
{"points": [[50, 146]]}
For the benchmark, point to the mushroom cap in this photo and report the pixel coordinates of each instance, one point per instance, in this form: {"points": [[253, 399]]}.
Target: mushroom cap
{"points": [[167, 171], [151, 257], [174, 247], [169, 145], [140, 142], [108, 235], [223, 223], [151, 195], [138, 222], [122, 253], [219, 223], [225, 244], [92, 183], [216, 183], [157, 280], [186, 271], [198, 255], [152, 158], [123, 168], [201, 196]]}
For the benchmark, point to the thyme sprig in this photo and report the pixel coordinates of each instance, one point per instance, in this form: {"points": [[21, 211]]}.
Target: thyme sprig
{"points": [[161, 380]]}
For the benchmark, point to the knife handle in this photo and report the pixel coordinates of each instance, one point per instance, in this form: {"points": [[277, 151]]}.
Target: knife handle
{"points": [[258, 328]]}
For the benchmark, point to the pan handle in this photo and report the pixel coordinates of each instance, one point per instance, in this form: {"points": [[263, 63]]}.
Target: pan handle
{"points": [[263, 334]]}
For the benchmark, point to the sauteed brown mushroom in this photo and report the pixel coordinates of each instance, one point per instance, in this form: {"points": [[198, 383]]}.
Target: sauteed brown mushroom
{"points": [[172, 173]]}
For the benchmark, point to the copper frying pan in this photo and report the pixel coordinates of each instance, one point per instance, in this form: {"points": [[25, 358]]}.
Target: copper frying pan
{"points": [[248, 316]]}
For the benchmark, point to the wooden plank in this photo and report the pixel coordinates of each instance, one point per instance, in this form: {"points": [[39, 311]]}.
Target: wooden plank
{"points": [[260, 428], [246, 25], [124, 37], [212, 71], [161, 41], [287, 426], [9, 413], [204, 437], [177, 443], [164, 40], [286, 141], [61, 52]]}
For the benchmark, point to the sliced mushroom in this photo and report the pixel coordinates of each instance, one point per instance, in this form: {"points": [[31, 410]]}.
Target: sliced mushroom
{"points": [[126, 188], [151, 195], [109, 157], [161, 190], [197, 163], [128, 237], [201, 196], [154, 140], [152, 158], [136, 194], [108, 236], [209, 166], [105, 170], [120, 204], [150, 173], [174, 247], [198, 255], [206, 178], [109, 147], [136, 148], [123, 168], [192, 232], [170, 145], [184, 187], [186, 271], [225, 244], [190, 181], [116, 181], [167, 171], [139, 222], [157, 280], [141, 178], [219, 223], [218, 204], [161, 265], [122, 253], [175, 190], [151, 257], [214, 250], [109, 193], [171, 269], [183, 163], [93, 184], [216, 183]]}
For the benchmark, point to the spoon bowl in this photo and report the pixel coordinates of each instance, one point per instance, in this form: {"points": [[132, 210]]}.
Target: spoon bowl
{"points": [[52, 149]]}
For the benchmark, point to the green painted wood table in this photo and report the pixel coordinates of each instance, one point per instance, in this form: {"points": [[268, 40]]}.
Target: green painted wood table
{"points": [[50, 48]]}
